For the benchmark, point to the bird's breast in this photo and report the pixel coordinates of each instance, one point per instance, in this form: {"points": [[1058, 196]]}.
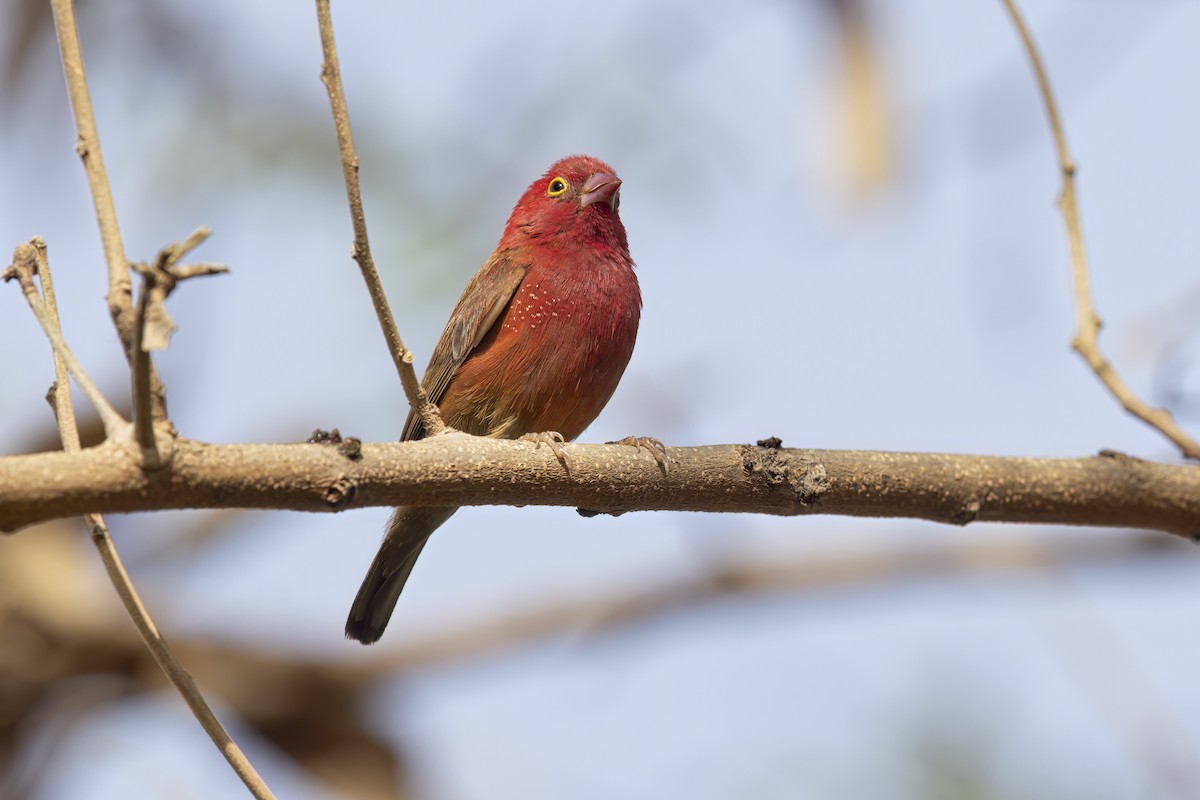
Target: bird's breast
{"points": [[554, 357]]}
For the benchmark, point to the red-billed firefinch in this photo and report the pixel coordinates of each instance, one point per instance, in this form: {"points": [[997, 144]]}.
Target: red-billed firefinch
{"points": [[537, 343]]}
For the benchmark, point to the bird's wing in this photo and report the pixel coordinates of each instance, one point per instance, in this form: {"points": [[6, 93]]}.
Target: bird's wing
{"points": [[481, 304]]}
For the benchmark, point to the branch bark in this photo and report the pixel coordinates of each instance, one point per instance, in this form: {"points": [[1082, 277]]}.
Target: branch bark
{"points": [[1108, 490]]}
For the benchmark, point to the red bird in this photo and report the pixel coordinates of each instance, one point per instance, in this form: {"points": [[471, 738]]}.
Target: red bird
{"points": [[537, 343]]}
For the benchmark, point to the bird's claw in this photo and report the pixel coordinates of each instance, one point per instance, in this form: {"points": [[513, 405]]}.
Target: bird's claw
{"points": [[555, 441], [650, 445]]}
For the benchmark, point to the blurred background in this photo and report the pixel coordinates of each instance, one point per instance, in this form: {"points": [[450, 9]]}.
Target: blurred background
{"points": [[843, 214]]}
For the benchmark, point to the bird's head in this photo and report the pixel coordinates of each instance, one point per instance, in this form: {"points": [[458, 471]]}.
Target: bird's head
{"points": [[577, 198]]}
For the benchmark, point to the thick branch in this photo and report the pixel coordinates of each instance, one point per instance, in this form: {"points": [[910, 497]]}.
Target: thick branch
{"points": [[1109, 490]]}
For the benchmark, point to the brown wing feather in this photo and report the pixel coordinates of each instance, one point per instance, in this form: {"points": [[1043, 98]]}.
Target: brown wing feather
{"points": [[481, 304]]}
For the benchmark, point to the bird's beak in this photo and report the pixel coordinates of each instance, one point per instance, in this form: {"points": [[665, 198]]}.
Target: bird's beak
{"points": [[603, 187]]}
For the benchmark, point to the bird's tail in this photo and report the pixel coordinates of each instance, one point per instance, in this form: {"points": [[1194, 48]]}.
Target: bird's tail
{"points": [[407, 532]]}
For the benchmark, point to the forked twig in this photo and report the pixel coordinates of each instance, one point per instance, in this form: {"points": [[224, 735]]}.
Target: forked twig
{"points": [[1087, 321], [331, 76], [29, 260], [153, 330]]}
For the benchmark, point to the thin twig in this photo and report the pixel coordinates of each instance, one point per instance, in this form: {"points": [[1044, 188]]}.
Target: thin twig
{"points": [[120, 289], [60, 397], [331, 76], [143, 414], [190, 243], [1087, 321], [153, 330], [28, 260], [176, 674]]}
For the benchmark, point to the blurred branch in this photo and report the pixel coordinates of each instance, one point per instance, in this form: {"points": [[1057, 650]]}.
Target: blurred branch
{"points": [[65, 414], [864, 128], [618, 609], [1108, 490], [1087, 321], [331, 76], [319, 710]]}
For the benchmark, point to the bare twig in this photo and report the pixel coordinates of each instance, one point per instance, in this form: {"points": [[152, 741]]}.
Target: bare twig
{"points": [[143, 413], [1087, 321], [60, 396], [88, 146], [28, 261], [331, 76], [137, 611], [159, 280], [153, 330]]}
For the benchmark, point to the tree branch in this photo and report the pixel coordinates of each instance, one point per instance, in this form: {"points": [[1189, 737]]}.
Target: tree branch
{"points": [[1087, 321], [1109, 490], [617, 609]]}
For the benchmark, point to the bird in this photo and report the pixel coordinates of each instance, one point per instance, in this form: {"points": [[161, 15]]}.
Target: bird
{"points": [[533, 349]]}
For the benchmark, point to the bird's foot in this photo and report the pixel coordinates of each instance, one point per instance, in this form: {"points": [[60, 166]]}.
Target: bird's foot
{"points": [[652, 446], [555, 441]]}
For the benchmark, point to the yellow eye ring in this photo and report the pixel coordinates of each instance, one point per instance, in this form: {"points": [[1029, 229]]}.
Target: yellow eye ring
{"points": [[557, 186]]}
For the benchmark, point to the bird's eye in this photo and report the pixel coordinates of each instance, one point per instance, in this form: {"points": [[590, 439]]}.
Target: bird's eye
{"points": [[556, 187]]}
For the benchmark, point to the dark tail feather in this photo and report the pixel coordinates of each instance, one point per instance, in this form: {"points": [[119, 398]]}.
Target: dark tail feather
{"points": [[407, 532]]}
